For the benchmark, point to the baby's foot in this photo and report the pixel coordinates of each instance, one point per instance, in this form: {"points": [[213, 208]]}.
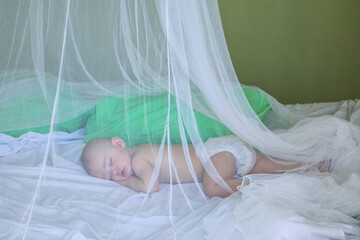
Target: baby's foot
{"points": [[323, 166]]}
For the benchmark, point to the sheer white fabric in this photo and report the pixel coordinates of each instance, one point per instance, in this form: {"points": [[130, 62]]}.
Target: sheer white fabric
{"points": [[72, 54]]}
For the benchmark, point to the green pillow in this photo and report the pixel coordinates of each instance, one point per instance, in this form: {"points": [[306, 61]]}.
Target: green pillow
{"points": [[258, 101], [67, 126], [142, 119], [24, 107]]}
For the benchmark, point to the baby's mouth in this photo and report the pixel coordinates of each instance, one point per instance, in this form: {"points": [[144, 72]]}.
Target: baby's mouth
{"points": [[123, 172]]}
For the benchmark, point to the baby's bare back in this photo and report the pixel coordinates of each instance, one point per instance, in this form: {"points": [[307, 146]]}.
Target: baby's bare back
{"points": [[179, 162]]}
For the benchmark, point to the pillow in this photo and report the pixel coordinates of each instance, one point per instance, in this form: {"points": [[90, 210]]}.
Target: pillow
{"points": [[26, 109], [67, 126], [140, 120], [258, 101]]}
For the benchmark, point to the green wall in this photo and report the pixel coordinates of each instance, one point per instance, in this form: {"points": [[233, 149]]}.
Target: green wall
{"points": [[297, 50]]}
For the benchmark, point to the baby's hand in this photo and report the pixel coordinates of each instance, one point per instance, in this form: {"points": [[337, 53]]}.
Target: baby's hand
{"points": [[123, 182], [132, 182]]}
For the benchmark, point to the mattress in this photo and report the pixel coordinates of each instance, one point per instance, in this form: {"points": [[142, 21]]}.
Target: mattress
{"points": [[58, 200]]}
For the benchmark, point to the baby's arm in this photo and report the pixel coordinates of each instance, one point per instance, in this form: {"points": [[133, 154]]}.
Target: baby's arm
{"points": [[140, 183]]}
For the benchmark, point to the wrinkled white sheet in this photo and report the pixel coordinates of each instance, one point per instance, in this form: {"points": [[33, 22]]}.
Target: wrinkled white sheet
{"points": [[347, 109], [72, 205]]}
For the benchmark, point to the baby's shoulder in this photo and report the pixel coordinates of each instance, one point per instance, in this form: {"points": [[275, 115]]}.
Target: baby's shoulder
{"points": [[145, 152]]}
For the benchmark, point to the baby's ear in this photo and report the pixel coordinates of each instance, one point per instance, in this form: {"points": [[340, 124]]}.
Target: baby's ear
{"points": [[118, 142]]}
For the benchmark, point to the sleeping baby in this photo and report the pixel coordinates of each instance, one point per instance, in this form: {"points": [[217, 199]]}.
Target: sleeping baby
{"points": [[111, 159]]}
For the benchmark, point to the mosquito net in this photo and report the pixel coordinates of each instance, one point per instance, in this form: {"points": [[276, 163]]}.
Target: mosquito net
{"points": [[149, 72]]}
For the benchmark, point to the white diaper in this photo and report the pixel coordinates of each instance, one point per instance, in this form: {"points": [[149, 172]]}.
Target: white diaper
{"points": [[243, 152]]}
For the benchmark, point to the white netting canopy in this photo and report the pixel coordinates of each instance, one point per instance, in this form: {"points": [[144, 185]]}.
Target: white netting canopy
{"points": [[152, 72]]}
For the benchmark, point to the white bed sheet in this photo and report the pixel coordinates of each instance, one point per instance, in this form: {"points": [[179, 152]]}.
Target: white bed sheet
{"points": [[72, 205], [347, 109]]}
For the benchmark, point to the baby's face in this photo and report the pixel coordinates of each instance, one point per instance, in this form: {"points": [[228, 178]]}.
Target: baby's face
{"points": [[112, 163]]}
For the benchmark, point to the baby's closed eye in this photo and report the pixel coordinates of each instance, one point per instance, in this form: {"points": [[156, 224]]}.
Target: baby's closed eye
{"points": [[108, 169]]}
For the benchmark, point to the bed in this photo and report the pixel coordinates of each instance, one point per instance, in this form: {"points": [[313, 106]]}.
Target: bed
{"points": [[59, 60], [72, 205]]}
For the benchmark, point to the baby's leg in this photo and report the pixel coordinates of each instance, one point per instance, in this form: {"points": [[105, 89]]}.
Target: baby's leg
{"points": [[225, 164], [265, 165]]}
